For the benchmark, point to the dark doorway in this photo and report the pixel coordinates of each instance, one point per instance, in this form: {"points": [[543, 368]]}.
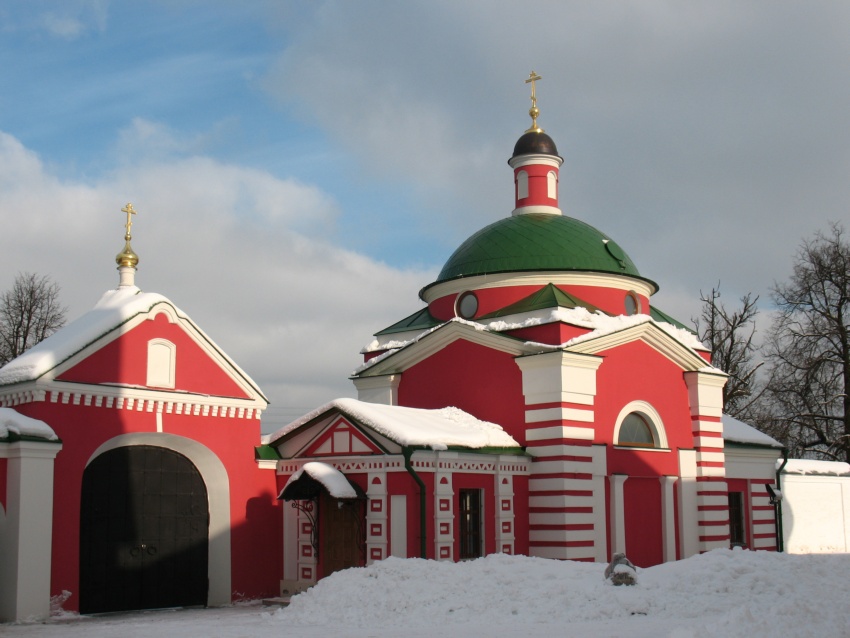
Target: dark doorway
{"points": [[470, 524], [341, 529], [144, 528], [737, 522]]}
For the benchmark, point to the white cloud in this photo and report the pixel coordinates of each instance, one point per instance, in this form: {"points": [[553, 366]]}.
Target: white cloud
{"points": [[248, 256], [73, 18], [706, 139]]}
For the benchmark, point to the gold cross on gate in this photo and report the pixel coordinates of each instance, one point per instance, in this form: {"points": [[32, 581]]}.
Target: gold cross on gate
{"points": [[130, 212]]}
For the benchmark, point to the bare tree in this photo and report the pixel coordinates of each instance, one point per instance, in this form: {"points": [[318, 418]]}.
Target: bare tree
{"points": [[729, 335], [809, 349], [29, 313]]}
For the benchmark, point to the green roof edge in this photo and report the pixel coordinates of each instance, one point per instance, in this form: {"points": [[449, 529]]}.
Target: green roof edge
{"points": [[660, 315], [422, 319]]}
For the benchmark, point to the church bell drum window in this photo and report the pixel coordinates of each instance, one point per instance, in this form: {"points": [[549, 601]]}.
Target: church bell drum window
{"points": [[467, 305]]}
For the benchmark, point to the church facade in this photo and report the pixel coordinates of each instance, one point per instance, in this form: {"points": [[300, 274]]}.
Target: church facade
{"points": [[543, 326], [537, 404]]}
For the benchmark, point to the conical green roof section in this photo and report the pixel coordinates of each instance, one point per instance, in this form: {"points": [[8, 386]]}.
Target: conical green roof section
{"points": [[419, 320], [550, 296], [533, 242]]}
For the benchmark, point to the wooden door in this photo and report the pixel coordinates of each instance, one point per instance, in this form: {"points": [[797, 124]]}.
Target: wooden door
{"points": [[341, 533], [144, 528]]}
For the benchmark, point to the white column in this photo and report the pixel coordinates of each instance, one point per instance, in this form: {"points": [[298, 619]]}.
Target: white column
{"points": [[618, 513], [27, 530], [668, 517]]}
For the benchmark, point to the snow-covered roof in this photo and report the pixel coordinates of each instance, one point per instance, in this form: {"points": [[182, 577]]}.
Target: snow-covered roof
{"points": [[817, 468], [334, 481], [736, 431], [114, 308], [436, 429], [598, 324], [14, 423]]}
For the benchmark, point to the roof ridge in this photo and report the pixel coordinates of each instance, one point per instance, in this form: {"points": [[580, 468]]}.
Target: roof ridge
{"points": [[549, 296]]}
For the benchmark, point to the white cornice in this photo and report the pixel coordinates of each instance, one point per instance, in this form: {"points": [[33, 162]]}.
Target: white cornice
{"points": [[538, 209], [535, 158], [132, 398], [438, 339], [653, 336], [557, 277]]}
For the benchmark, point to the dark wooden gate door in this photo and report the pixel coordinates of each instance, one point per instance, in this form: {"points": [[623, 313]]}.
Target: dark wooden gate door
{"points": [[144, 530], [341, 529]]}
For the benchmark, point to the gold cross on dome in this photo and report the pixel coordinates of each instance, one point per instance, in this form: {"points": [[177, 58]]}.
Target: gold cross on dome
{"points": [[130, 212], [533, 111], [532, 78]]}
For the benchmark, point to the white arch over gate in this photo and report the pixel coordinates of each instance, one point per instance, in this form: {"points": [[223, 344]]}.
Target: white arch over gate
{"points": [[215, 477]]}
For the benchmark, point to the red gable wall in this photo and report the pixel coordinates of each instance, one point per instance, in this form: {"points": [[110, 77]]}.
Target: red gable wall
{"points": [[124, 362], [484, 382]]}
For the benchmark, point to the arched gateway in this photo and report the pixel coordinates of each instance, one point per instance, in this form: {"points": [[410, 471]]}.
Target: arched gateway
{"points": [[144, 526]]}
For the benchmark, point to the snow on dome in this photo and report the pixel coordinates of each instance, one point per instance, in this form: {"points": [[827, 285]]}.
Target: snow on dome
{"points": [[12, 422], [114, 308], [333, 480], [819, 468], [436, 429], [736, 431]]}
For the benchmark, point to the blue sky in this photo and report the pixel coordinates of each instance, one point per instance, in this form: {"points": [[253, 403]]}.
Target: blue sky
{"points": [[302, 169]]}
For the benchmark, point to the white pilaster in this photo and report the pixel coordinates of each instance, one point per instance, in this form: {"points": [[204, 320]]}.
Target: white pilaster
{"points": [[618, 513], [27, 530], [668, 517], [376, 517]]}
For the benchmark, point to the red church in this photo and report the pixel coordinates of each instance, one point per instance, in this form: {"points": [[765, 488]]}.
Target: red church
{"points": [[537, 404], [540, 327]]}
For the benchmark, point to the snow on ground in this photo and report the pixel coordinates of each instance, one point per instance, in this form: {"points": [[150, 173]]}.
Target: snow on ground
{"points": [[722, 593]]}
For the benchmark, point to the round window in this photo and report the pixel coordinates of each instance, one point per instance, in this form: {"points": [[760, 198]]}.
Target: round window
{"points": [[467, 305], [632, 304]]}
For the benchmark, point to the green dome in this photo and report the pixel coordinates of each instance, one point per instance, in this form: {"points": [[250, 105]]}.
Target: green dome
{"points": [[532, 241]]}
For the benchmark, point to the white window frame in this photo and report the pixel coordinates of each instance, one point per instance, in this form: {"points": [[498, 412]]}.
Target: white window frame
{"points": [[653, 420]]}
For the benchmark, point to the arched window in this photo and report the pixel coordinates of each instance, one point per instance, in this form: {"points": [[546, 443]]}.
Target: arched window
{"points": [[639, 425], [552, 183], [162, 356], [521, 185], [632, 303], [635, 432]]}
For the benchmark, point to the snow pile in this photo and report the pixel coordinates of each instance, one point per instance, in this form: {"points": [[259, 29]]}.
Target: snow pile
{"points": [[12, 422], [436, 429], [733, 594], [333, 480], [114, 308], [721, 593]]}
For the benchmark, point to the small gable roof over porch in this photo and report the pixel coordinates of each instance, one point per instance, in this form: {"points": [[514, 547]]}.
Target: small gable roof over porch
{"points": [[406, 427]]}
